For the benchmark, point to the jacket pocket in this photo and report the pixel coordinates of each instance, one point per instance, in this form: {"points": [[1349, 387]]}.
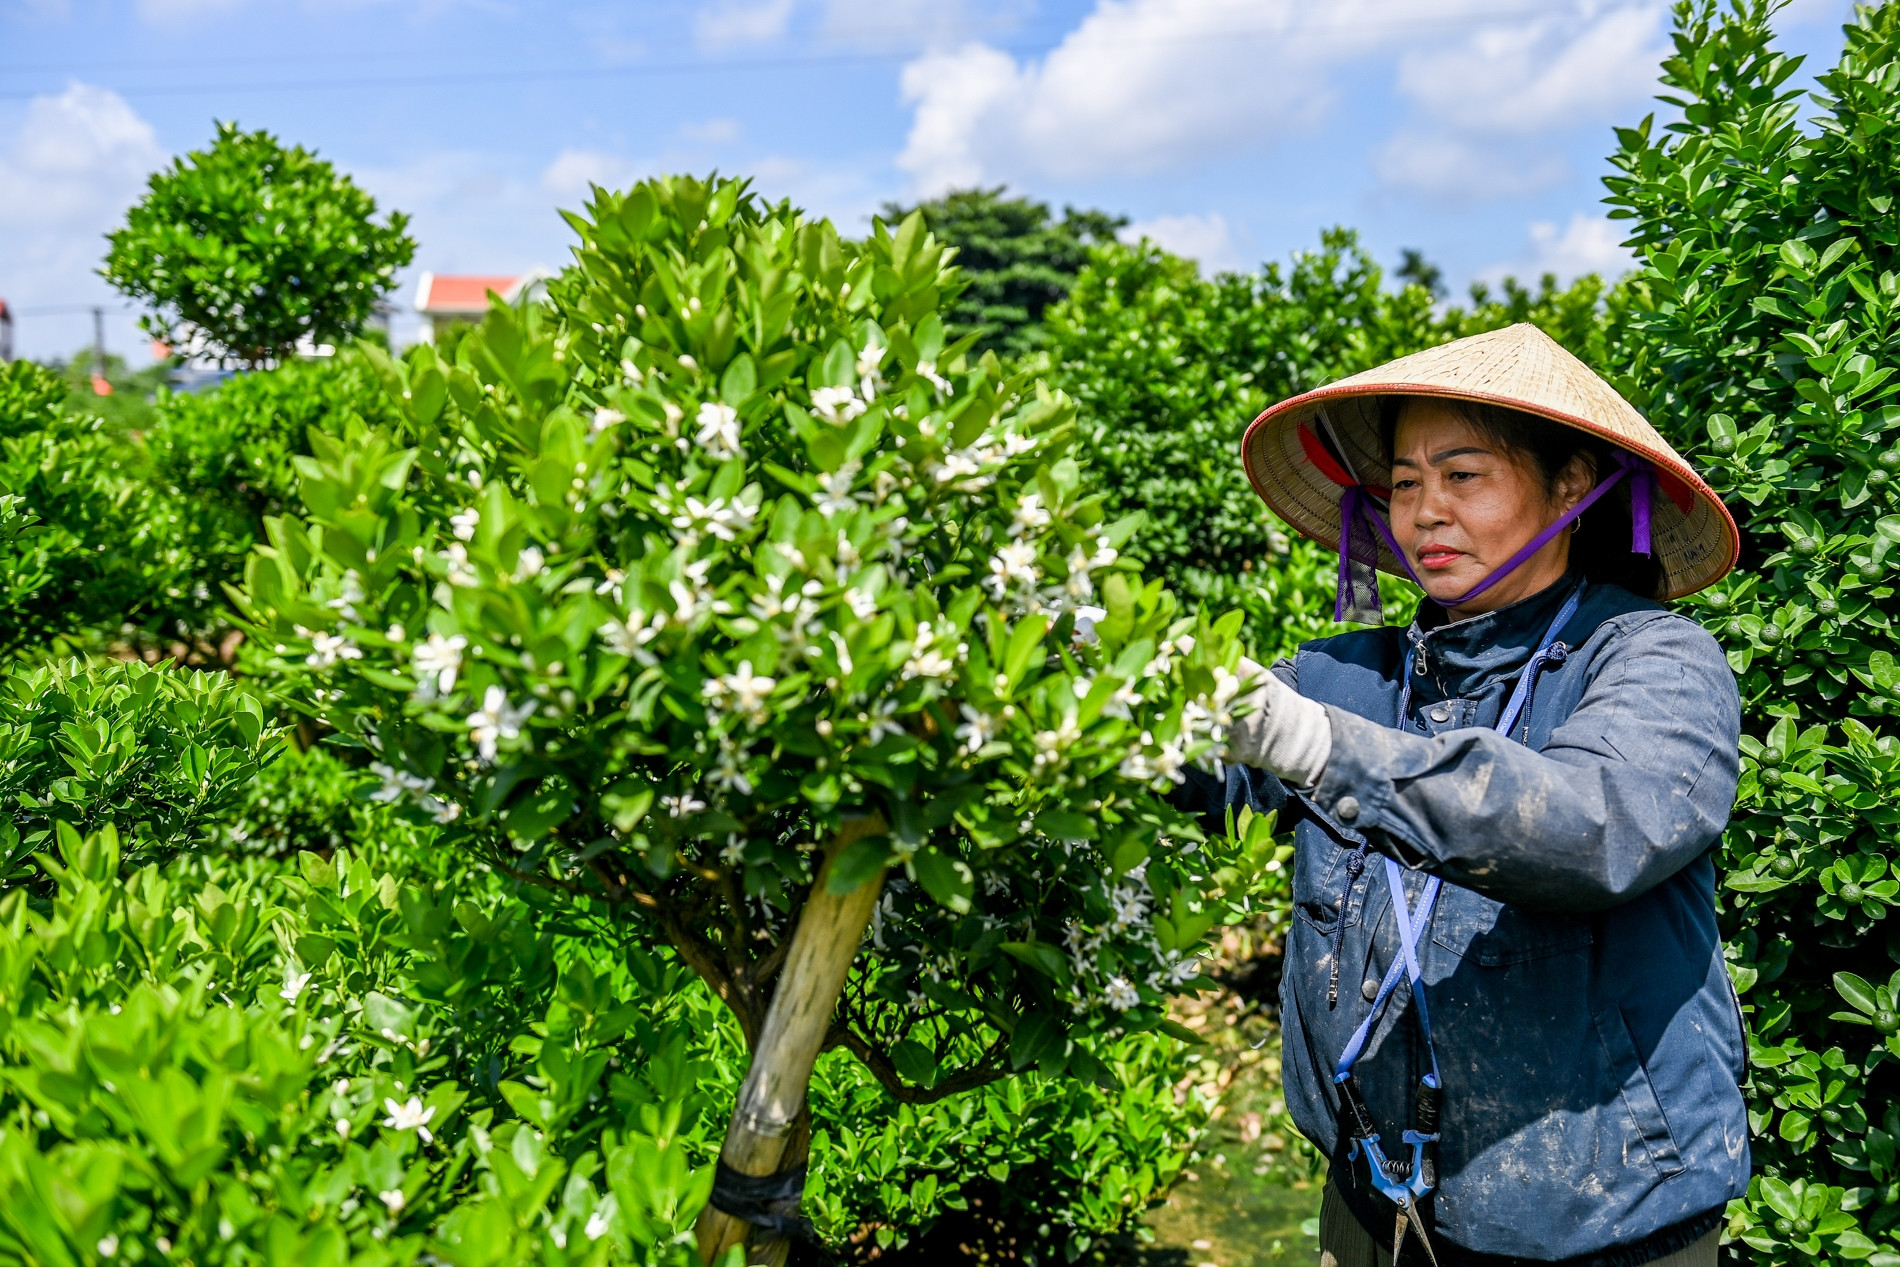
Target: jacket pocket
{"points": [[1629, 1079], [1492, 935], [1322, 884]]}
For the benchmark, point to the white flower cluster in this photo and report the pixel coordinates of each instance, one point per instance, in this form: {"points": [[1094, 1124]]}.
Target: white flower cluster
{"points": [[402, 785], [744, 692], [1016, 575], [1130, 923]]}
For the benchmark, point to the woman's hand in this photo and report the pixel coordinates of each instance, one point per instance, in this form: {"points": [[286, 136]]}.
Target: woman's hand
{"points": [[1284, 733]]}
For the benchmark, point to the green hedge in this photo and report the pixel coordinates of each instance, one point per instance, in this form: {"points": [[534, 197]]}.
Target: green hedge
{"points": [[1764, 340]]}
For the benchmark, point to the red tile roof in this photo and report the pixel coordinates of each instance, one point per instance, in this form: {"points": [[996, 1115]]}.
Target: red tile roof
{"points": [[443, 293]]}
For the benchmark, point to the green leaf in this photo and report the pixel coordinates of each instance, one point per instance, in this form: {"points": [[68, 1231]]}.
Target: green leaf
{"points": [[946, 879], [860, 862], [1857, 992]]}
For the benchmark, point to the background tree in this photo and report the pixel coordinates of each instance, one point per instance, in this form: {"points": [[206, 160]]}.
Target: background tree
{"points": [[1016, 257], [253, 247], [1764, 339]]}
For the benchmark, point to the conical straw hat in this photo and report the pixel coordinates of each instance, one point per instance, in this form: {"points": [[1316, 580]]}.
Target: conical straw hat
{"points": [[1519, 367]]}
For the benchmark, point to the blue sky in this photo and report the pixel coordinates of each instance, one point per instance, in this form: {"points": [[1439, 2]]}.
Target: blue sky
{"points": [[1231, 130]]}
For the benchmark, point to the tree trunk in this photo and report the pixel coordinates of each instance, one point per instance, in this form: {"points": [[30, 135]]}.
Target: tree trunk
{"points": [[770, 1128]]}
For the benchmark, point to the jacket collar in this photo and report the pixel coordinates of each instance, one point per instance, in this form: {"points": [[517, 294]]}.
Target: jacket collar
{"points": [[1462, 657]]}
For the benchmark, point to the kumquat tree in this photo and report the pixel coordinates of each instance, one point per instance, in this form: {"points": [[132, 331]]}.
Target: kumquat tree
{"points": [[724, 595]]}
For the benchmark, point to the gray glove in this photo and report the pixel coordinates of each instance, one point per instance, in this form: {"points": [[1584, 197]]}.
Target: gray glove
{"points": [[1285, 733]]}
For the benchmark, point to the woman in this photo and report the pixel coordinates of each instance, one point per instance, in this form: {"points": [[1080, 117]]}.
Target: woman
{"points": [[1536, 1058]]}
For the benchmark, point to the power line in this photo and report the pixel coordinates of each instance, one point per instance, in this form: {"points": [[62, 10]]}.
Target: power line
{"points": [[518, 74]]}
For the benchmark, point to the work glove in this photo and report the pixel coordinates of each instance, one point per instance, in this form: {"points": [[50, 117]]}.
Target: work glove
{"points": [[1285, 733]]}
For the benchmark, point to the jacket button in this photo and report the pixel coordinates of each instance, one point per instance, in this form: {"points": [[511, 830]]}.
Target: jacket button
{"points": [[1347, 808], [1369, 990], [1441, 715]]}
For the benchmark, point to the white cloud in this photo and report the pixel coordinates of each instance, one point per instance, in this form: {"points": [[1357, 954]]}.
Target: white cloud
{"points": [[1147, 85], [1588, 244], [1206, 239], [712, 131], [886, 24], [1554, 71], [573, 173], [731, 22], [1452, 169], [79, 158]]}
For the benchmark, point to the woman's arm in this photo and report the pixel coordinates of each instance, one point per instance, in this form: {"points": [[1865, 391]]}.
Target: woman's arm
{"points": [[1635, 785]]}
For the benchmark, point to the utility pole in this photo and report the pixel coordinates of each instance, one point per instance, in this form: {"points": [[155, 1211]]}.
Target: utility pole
{"points": [[100, 385]]}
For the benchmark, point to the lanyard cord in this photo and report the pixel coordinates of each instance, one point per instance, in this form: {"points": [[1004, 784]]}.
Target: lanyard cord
{"points": [[1407, 1183]]}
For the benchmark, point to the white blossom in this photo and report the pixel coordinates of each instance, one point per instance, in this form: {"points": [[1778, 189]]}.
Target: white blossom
{"points": [[882, 718], [723, 519], [835, 493], [1016, 444], [747, 691], [529, 562], [1015, 562], [628, 637], [718, 429], [436, 663], [682, 805], [107, 1246], [1119, 993], [836, 404], [596, 1224], [977, 729], [294, 983], [612, 583], [1130, 906], [870, 363], [327, 649], [394, 1199], [410, 1116], [1031, 515], [863, 603], [927, 370], [344, 604], [441, 811], [464, 523], [605, 418], [926, 657], [460, 573], [496, 720], [693, 597]]}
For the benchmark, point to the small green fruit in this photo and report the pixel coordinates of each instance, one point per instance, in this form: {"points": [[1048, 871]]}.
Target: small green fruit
{"points": [[1877, 477], [1734, 629], [1806, 547], [1818, 658], [1773, 755], [1771, 777], [1783, 867], [1784, 1226], [1886, 1021], [1784, 656], [1890, 459], [1803, 1226], [1850, 893], [1724, 445], [1869, 572], [1828, 607], [1831, 1116], [1770, 634], [1717, 601]]}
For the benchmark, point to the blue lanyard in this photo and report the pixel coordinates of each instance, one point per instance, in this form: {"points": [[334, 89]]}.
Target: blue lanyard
{"points": [[1403, 1183]]}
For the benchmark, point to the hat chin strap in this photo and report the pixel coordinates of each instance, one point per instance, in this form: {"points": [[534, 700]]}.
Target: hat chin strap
{"points": [[1359, 552]]}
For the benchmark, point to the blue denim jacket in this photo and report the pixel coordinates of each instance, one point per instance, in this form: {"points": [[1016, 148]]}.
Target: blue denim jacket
{"points": [[1588, 1038]]}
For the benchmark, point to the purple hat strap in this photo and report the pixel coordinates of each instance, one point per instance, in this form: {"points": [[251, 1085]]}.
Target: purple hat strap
{"points": [[1356, 508]]}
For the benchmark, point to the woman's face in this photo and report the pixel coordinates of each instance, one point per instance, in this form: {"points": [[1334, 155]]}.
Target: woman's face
{"points": [[1462, 505]]}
